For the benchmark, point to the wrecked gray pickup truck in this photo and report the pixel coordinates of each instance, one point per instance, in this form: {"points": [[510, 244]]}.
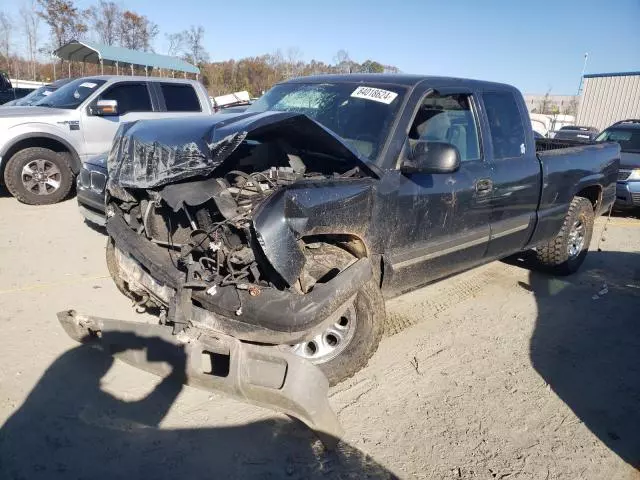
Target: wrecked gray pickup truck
{"points": [[267, 240]]}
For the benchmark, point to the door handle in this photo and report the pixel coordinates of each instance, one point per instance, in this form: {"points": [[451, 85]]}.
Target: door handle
{"points": [[484, 185]]}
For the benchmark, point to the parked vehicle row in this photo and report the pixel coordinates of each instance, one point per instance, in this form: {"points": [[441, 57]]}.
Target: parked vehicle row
{"points": [[38, 94], [42, 147], [8, 92], [627, 134], [577, 133]]}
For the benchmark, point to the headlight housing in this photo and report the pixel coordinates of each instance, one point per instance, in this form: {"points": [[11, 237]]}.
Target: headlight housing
{"points": [[635, 174]]}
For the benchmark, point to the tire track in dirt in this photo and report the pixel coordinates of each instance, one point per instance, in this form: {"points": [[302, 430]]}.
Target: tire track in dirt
{"points": [[433, 300]]}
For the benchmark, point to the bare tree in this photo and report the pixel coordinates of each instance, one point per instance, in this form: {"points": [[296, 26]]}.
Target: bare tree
{"points": [[64, 19], [6, 27], [105, 21], [30, 25], [294, 64], [176, 43], [572, 107], [343, 61], [194, 44], [137, 32]]}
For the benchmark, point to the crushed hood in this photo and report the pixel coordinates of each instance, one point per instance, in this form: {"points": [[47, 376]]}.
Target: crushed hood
{"points": [[151, 153]]}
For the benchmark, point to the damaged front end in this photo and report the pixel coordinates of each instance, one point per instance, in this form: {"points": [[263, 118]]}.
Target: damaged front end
{"points": [[252, 226], [247, 235]]}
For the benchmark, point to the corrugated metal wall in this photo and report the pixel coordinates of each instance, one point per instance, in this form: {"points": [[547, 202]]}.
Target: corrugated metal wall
{"points": [[606, 100]]}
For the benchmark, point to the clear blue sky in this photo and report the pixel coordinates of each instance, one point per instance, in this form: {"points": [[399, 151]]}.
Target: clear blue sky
{"points": [[535, 45]]}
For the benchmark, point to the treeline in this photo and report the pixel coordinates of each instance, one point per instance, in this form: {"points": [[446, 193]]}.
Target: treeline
{"points": [[21, 54]]}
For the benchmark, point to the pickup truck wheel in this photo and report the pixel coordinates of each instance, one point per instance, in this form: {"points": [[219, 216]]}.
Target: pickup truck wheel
{"points": [[39, 176], [346, 346], [565, 253]]}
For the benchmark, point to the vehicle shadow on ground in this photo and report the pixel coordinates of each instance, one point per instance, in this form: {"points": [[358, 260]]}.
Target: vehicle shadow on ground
{"points": [[69, 427], [586, 345], [101, 229]]}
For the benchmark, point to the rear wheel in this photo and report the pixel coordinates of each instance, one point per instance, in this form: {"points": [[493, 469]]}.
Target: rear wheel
{"points": [[39, 176], [346, 345], [565, 253]]}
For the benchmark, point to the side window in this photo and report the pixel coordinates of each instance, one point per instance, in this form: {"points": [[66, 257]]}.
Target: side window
{"points": [[505, 125], [131, 97], [180, 97], [448, 119]]}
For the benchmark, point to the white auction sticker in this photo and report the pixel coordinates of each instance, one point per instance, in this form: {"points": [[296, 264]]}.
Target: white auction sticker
{"points": [[88, 85], [375, 94]]}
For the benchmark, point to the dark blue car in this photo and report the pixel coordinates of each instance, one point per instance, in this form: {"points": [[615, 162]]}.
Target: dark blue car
{"points": [[627, 134]]}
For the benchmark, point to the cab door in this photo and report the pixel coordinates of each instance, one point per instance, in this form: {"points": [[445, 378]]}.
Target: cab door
{"points": [[134, 103], [440, 223], [515, 173]]}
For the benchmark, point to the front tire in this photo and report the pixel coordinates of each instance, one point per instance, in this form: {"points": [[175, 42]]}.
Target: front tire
{"points": [[564, 254], [366, 316], [39, 176]]}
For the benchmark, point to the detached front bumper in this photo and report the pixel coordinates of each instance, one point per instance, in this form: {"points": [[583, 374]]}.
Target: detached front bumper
{"points": [[260, 375], [628, 194]]}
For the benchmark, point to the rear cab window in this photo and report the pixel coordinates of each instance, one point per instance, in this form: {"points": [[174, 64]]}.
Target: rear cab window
{"points": [[180, 97], [505, 125]]}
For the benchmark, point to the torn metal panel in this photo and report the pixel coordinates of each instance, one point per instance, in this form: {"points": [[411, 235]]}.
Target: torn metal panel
{"points": [[193, 147], [336, 207]]}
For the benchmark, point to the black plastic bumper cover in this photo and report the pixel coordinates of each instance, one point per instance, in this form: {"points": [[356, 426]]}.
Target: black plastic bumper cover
{"points": [[263, 376]]}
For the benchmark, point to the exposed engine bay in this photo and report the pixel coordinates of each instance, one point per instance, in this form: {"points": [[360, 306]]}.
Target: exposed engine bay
{"points": [[213, 242], [205, 224]]}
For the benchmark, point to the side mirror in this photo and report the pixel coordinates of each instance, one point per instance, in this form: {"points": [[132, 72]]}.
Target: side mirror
{"points": [[432, 157], [105, 108]]}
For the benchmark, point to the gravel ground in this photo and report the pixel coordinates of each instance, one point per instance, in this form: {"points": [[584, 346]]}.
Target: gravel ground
{"points": [[495, 373]]}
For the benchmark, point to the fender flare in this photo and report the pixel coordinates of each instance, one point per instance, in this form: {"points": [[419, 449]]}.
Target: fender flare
{"points": [[76, 163]]}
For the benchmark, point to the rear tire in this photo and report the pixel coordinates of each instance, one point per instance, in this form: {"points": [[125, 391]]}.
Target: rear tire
{"points": [[39, 176], [564, 254]]}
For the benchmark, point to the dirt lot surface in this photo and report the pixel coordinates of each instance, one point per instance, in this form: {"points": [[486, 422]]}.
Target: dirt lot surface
{"points": [[498, 373]]}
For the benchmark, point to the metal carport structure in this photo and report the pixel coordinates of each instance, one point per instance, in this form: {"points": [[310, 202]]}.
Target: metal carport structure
{"points": [[90, 52]]}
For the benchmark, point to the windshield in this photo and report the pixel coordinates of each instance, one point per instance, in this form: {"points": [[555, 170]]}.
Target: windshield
{"points": [[361, 114], [35, 96], [72, 94], [628, 138]]}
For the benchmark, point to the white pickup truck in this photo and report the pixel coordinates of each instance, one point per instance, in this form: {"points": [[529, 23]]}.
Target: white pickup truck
{"points": [[42, 147]]}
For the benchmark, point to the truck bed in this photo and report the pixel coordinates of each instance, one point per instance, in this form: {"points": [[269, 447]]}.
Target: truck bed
{"points": [[569, 167], [546, 144]]}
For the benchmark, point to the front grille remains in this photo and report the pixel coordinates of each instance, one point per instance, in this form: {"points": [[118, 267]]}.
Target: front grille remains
{"points": [[84, 178], [98, 181], [623, 175], [635, 198]]}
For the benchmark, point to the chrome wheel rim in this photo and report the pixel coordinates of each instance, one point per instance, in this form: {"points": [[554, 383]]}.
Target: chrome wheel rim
{"points": [[41, 177], [330, 343], [576, 238]]}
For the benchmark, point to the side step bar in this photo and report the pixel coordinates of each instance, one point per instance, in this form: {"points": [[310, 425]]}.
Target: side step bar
{"points": [[256, 374]]}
